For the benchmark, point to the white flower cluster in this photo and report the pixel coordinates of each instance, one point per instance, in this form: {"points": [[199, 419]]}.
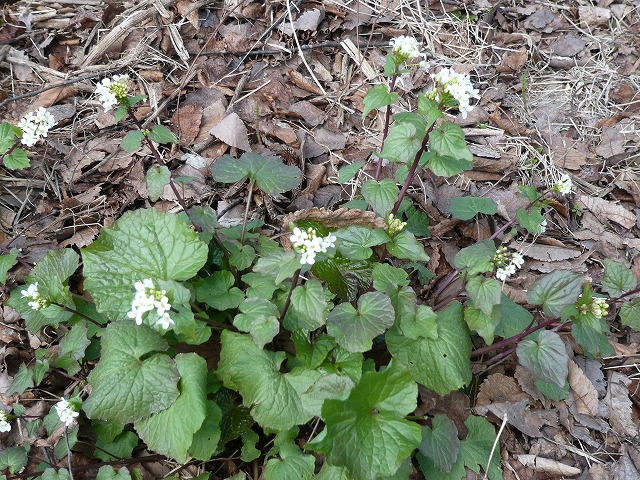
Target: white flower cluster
{"points": [[111, 91], [543, 226], [35, 125], [564, 185], [394, 225], [308, 244], [5, 426], [598, 307], [149, 298], [37, 302], [507, 263], [459, 86], [406, 47], [66, 414]]}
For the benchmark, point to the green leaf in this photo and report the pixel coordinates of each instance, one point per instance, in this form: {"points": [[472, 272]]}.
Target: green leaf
{"points": [[170, 432], [278, 265], [240, 256], [447, 140], [344, 277], [555, 291], [530, 220], [161, 134], [132, 141], [259, 318], [381, 195], [120, 447], [444, 165], [466, 208], [617, 278], [72, 348], [387, 276], [405, 245], [270, 173], [513, 318], [417, 220], [142, 244], [478, 321], [476, 258], [292, 465], [330, 472], [546, 358], [377, 97], [206, 440], [308, 309], [630, 314], [14, 459], [485, 293], [218, 291], [52, 474], [22, 380], [274, 397], [259, 285], [17, 160], [249, 450], [403, 142], [592, 340], [354, 329], [367, 432], [441, 364], [156, 179], [107, 472], [429, 109], [333, 385], [553, 392], [126, 386], [440, 443], [348, 172], [356, 240], [236, 419], [204, 217], [7, 261], [7, 137], [530, 193]]}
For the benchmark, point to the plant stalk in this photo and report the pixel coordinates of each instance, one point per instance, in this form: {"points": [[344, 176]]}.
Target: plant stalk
{"points": [[294, 284], [246, 212], [387, 123]]}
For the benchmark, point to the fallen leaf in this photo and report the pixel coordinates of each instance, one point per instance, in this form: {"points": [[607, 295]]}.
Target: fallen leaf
{"points": [[548, 466], [521, 417], [308, 20], [594, 16], [231, 130], [187, 119], [567, 45], [606, 210], [620, 406], [583, 391], [500, 388]]}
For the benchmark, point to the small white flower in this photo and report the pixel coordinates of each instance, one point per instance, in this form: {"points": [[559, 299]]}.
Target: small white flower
{"points": [[147, 299], [505, 270], [35, 125], [543, 226], [5, 426], [37, 302], [308, 244], [406, 47], [111, 91], [66, 414], [459, 86], [517, 260], [564, 185]]}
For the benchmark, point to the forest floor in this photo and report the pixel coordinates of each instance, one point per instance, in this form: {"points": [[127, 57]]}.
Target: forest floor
{"points": [[560, 93]]}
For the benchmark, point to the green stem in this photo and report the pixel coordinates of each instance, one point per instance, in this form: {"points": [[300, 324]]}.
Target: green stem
{"points": [[246, 212], [76, 312], [387, 123], [8, 152]]}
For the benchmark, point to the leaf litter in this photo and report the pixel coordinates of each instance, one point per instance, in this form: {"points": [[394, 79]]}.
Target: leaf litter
{"points": [[560, 92]]}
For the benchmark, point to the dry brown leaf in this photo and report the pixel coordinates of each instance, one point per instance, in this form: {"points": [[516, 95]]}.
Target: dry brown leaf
{"points": [[187, 119], [308, 20], [546, 253], [614, 138], [306, 111], [567, 46], [521, 417], [513, 61], [583, 391], [81, 238], [620, 406], [231, 130], [594, 16], [605, 210], [500, 388], [548, 466], [330, 139]]}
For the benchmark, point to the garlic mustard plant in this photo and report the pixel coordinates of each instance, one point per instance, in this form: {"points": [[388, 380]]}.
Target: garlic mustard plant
{"points": [[564, 185], [5, 426], [307, 243], [507, 263], [35, 125], [451, 84], [37, 302], [405, 48]]}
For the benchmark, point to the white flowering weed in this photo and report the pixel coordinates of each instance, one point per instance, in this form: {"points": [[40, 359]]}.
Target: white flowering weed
{"points": [[65, 412], [507, 263], [5, 426], [147, 299], [405, 47], [459, 86], [35, 125], [111, 91], [564, 185], [36, 302], [307, 243]]}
